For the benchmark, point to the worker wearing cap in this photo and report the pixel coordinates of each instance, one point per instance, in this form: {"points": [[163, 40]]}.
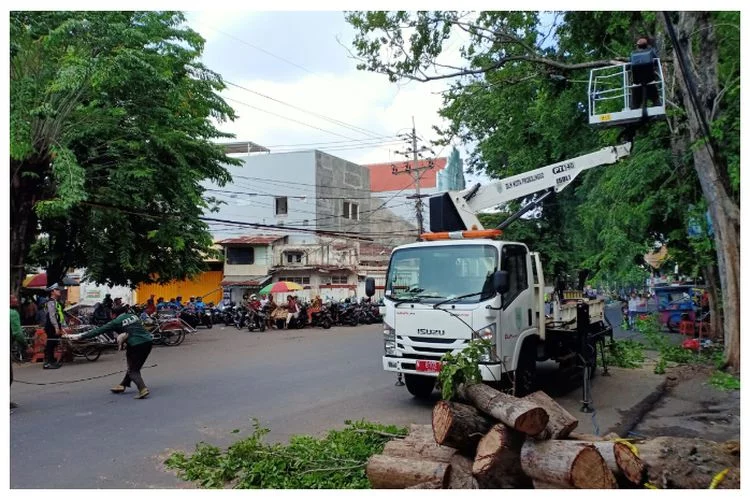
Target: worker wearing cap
{"points": [[139, 343], [53, 325]]}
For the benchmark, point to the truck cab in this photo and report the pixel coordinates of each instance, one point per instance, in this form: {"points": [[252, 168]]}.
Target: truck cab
{"points": [[441, 295]]}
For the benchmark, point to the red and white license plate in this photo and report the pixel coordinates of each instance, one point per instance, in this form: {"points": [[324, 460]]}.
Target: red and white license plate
{"points": [[428, 366]]}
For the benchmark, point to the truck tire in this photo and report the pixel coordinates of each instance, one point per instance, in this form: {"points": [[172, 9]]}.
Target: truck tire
{"points": [[525, 375], [419, 386]]}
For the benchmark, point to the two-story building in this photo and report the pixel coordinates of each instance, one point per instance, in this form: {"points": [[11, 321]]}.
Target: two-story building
{"points": [[329, 268]]}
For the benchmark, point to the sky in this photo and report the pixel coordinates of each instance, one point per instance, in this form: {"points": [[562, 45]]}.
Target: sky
{"points": [[301, 59]]}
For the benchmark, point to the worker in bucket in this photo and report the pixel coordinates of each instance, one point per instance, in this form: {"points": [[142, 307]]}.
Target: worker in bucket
{"points": [[139, 343]]}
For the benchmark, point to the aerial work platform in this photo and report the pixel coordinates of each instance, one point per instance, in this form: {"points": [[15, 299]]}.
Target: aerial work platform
{"points": [[626, 93]]}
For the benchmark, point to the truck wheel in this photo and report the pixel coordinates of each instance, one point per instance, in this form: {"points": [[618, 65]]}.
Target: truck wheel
{"points": [[419, 386], [525, 375]]}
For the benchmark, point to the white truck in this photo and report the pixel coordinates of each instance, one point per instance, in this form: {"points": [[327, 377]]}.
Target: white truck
{"points": [[461, 282]]}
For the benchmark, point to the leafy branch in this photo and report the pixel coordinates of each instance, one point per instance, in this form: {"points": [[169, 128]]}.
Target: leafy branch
{"points": [[462, 367]]}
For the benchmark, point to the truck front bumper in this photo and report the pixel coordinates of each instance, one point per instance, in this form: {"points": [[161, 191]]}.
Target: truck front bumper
{"points": [[491, 372]]}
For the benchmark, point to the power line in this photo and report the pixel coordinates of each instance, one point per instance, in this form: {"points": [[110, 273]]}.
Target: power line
{"points": [[261, 49], [313, 113], [287, 118]]}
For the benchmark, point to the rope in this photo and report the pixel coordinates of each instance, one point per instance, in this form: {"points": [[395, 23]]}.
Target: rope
{"points": [[76, 380], [718, 478]]}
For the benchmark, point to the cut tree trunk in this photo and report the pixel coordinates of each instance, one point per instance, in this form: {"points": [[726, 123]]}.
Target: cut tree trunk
{"points": [[458, 425], [394, 472], [543, 485], [561, 423], [566, 463], [580, 436], [461, 477], [621, 460], [426, 450], [673, 462], [419, 432], [498, 460], [427, 485], [520, 414]]}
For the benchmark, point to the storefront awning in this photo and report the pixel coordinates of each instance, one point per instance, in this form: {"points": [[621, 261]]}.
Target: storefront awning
{"points": [[245, 281]]}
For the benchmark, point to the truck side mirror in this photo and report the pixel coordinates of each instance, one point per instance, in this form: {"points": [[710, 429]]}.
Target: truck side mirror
{"points": [[370, 287], [500, 282]]}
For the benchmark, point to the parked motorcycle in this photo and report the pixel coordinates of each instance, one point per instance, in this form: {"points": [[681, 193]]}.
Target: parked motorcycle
{"points": [[256, 320], [322, 318]]}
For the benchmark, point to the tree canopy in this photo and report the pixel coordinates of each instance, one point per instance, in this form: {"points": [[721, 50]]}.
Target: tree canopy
{"points": [[113, 128]]}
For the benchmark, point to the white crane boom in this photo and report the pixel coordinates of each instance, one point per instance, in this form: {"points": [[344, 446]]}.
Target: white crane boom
{"points": [[557, 176]]}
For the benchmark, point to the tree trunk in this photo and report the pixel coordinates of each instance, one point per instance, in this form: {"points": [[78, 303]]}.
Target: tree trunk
{"points": [[580, 436], [621, 460], [692, 463], [543, 485], [394, 472], [520, 414], [458, 425], [498, 460], [694, 30], [426, 450], [461, 477], [427, 485], [712, 287], [561, 423], [25, 191], [566, 463], [419, 432]]}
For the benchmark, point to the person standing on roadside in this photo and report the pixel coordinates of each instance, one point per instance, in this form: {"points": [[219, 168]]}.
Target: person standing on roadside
{"points": [[17, 335], [53, 325], [139, 343]]}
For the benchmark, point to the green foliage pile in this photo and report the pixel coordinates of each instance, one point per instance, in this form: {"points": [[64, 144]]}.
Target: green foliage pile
{"points": [[724, 381], [625, 354], [336, 461], [462, 367], [651, 329]]}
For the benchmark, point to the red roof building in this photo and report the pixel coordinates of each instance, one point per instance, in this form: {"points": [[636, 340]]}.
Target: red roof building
{"points": [[382, 177]]}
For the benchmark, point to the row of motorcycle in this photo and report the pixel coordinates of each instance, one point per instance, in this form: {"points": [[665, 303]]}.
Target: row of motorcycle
{"points": [[327, 315]]}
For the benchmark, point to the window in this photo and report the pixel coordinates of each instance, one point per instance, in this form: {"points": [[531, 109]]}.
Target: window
{"points": [[351, 210], [339, 279], [514, 261], [240, 255], [300, 280], [432, 274], [281, 205], [293, 257]]}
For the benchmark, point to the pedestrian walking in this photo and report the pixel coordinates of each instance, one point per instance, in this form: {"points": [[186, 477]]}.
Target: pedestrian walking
{"points": [[53, 325], [633, 304], [16, 334], [139, 343]]}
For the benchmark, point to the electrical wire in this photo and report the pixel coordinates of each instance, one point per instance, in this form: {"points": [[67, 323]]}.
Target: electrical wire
{"points": [[340, 123]]}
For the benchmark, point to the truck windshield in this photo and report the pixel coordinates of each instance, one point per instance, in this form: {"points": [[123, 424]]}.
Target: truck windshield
{"points": [[442, 272]]}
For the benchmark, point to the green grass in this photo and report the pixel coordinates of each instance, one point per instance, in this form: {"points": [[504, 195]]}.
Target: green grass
{"points": [[336, 461], [724, 381]]}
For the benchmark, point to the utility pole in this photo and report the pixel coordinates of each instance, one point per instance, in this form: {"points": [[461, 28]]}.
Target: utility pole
{"points": [[415, 171]]}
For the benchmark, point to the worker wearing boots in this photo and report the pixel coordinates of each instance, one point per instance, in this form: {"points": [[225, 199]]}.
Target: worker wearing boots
{"points": [[139, 343]]}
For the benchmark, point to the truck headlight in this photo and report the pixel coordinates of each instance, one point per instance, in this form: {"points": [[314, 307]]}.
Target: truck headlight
{"points": [[389, 340], [488, 333]]}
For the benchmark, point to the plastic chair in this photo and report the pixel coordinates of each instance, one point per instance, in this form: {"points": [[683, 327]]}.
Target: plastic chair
{"points": [[687, 327]]}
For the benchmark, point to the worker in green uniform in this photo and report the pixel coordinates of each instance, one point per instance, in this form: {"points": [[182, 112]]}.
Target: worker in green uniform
{"points": [[139, 343]]}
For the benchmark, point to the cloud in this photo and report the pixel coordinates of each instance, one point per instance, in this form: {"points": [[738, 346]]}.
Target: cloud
{"points": [[330, 85]]}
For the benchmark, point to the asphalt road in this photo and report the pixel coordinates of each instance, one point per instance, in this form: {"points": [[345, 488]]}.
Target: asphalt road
{"points": [[79, 435], [295, 382]]}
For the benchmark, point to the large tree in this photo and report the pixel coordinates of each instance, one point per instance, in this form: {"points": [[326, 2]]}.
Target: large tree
{"points": [[520, 97], [112, 129]]}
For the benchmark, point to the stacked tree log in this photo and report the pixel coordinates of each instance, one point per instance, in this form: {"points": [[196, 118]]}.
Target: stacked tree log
{"points": [[500, 441]]}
